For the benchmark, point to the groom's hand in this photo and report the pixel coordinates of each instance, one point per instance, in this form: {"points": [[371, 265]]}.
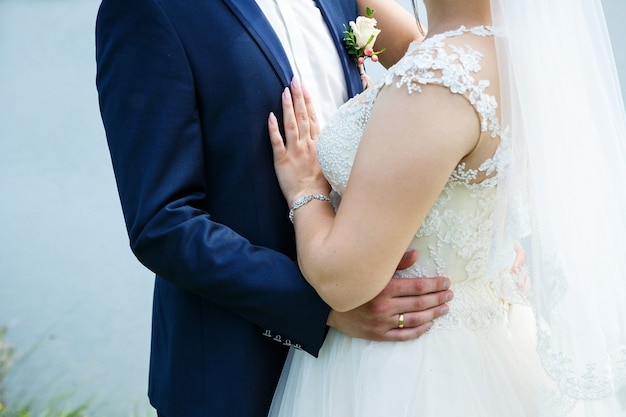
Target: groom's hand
{"points": [[419, 300]]}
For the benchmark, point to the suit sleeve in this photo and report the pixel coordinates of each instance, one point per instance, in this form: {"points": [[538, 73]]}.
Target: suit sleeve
{"points": [[149, 107]]}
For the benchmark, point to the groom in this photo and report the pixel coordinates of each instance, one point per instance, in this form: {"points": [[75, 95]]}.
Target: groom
{"points": [[185, 90]]}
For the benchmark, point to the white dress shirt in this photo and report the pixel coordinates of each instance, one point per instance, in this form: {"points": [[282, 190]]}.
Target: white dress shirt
{"points": [[311, 51]]}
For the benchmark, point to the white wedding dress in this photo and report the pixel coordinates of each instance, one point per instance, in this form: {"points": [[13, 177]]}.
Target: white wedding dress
{"points": [[477, 361]]}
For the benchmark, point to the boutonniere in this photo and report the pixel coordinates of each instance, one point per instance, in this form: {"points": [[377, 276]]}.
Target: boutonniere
{"points": [[359, 39]]}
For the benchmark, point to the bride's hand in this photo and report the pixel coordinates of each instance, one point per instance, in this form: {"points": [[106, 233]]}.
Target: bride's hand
{"points": [[295, 159]]}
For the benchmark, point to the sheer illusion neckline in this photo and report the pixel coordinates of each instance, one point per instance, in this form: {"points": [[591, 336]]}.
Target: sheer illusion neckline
{"points": [[480, 30]]}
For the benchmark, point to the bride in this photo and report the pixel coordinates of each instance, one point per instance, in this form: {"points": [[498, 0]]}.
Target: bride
{"points": [[502, 126]]}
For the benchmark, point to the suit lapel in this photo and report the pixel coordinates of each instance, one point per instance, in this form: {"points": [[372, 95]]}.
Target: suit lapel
{"points": [[253, 19], [335, 24]]}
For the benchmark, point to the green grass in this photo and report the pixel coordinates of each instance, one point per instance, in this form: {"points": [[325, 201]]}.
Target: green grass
{"points": [[62, 406], [6, 359], [52, 410]]}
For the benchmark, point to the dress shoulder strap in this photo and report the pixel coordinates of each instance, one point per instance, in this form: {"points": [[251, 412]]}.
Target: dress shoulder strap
{"points": [[438, 61]]}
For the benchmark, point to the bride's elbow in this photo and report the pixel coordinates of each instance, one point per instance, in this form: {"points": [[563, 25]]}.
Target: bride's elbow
{"points": [[339, 297], [337, 293], [336, 300], [343, 289]]}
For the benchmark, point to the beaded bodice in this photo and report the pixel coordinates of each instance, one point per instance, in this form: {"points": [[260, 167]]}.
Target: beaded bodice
{"points": [[455, 238]]}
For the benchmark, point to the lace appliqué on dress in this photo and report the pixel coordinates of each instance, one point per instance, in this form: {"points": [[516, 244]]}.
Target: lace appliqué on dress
{"points": [[455, 238], [436, 62]]}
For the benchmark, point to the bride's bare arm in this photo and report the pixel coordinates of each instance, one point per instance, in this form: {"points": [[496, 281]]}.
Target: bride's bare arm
{"points": [[398, 28], [405, 157], [417, 301]]}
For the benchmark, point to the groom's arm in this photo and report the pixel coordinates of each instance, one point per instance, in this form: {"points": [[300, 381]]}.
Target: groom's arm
{"points": [[192, 218], [419, 300]]}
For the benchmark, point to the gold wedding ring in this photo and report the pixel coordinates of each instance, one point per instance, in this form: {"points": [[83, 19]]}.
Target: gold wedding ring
{"points": [[401, 321]]}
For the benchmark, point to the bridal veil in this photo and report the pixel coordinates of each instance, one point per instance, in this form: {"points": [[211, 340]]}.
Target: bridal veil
{"points": [[564, 195]]}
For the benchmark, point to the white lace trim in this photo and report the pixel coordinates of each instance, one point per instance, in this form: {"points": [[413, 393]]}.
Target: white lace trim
{"points": [[435, 62]]}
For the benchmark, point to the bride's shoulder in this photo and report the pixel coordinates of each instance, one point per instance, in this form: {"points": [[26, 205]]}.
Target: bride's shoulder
{"points": [[463, 60], [477, 37], [463, 48], [459, 48]]}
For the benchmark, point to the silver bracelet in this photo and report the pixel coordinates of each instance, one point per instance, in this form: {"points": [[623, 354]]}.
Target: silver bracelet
{"points": [[305, 199]]}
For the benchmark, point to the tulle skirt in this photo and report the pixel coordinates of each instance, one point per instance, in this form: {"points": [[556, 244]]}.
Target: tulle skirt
{"points": [[486, 372]]}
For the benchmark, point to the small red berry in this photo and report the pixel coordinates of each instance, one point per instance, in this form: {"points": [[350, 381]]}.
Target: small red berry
{"points": [[375, 58]]}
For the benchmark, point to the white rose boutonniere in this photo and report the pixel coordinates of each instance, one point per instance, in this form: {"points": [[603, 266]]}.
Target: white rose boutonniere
{"points": [[365, 34], [359, 39]]}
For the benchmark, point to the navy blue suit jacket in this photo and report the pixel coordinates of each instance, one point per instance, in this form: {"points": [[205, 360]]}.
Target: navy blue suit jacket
{"points": [[185, 90]]}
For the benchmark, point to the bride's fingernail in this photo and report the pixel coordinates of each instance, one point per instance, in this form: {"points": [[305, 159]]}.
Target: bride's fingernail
{"points": [[295, 84], [305, 92], [286, 94], [272, 119]]}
